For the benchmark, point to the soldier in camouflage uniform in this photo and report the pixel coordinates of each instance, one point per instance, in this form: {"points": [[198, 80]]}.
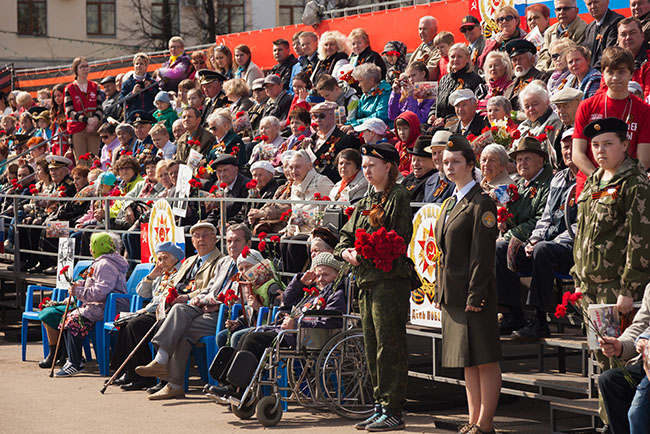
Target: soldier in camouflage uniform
{"points": [[612, 244], [526, 206], [383, 296]]}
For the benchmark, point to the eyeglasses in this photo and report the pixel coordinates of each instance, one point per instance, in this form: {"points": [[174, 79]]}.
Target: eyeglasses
{"points": [[199, 235], [467, 29], [104, 137], [564, 8], [504, 19], [318, 116], [211, 128]]}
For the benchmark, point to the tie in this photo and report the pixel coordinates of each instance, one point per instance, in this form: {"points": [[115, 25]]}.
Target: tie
{"points": [[450, 205], [196, 268]]}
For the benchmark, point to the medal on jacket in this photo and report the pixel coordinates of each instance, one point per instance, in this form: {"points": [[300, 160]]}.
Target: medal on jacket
{"points": [[533, 192]]}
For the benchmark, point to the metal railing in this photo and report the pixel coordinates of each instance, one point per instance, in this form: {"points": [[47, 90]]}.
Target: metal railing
{"points": [[372, 7]]}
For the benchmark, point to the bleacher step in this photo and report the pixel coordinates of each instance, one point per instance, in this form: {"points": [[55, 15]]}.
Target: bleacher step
{"points": [[568, 382]]}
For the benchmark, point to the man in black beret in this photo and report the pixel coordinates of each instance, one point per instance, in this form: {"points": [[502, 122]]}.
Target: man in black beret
{"points": [[473, 32], [523, 55], [422, 168], [227, 170], [211, 84]]}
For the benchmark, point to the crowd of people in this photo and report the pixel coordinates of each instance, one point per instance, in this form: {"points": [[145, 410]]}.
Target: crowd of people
{"points": [[531, 140]]}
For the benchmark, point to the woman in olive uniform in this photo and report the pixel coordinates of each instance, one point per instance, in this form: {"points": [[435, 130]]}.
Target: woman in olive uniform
{"points": [[466, 235], [383, 296]]}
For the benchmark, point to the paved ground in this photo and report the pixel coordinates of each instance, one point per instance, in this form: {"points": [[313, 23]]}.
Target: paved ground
{"points": [[32, 402]]}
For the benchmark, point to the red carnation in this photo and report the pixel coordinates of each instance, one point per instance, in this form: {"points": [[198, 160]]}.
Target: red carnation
{"points": [[235, 149], [494, 129], [549, 128], [302, 128], [542, 137], [62, 188], [516, 134], [201, 170], [381, 247], [239, 114], [262, 235], [223, 185], [326, 198], [129, 153], [574, 297], [64, 270], [560, 311], [172, 295], [317, 196], [274, 239], [471, 137], [348, 211], [257, 138], [314, 125], [301, 137], [485, 130], [150, 202], [261, 246], [251, 184], [213, 189], [264, 137], [286, 214], [245, 252], [42, 304]]}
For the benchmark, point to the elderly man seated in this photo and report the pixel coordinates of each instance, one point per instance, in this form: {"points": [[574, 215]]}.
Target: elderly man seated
{"points": [[566, 103], [226, 167], [194, 313], [522, 54], [526, 203], [323, 274], [307, 183], [549, 250], [422, 166], [328, 141], [193, 131], [540, 117], [465, 104]]}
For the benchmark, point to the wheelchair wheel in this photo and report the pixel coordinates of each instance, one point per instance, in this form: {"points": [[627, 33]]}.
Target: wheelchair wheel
{"points": [[343, 376], [247, 410], [302, 380], [269, 410]]}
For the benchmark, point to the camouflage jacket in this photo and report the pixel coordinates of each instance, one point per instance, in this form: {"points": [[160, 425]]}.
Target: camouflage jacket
{"points": [[398, 217], [612, 244], [529, 207]]}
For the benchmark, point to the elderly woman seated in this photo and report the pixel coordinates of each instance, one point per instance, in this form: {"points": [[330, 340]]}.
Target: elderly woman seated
{"points": [[226, 140], [374, 101], [541, 121], [494, 166], [498, 75], [269, 140], [322, 276], [498, 110], [155, 286], [560, 76], [259, 288], [106, 274], [307, 185], [332, 55], [353, 184]]}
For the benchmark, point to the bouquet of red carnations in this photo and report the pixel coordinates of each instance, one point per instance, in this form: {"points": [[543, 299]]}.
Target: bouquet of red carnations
{"points": [[381, 247]]}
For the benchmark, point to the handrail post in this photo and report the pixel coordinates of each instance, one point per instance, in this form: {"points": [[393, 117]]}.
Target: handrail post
{"points": [[16, 239], [222, 223]]}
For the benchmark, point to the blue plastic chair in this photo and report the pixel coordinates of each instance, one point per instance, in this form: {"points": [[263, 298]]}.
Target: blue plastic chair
{"points": [[30, 315], [206, 353], [103, 330]]}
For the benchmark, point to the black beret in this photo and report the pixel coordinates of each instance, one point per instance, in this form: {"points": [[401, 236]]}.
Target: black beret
{"points": [[383, 150], [457, 142], [607, 125], [224, 159]]}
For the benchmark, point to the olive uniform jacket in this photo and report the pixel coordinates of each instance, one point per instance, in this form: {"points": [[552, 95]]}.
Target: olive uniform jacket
{"points": [[183, 149], [466, 271]]}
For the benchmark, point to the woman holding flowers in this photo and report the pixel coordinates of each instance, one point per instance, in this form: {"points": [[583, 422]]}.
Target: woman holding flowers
{"points": [[156, 286], [466, 286], [106, 274], [612, 243], [383, 292]]}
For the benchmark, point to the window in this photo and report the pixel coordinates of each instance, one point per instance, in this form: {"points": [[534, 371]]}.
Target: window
{"points": [[32, 17], [159, 17], [291, 11], [100, 17], [230, 16]]}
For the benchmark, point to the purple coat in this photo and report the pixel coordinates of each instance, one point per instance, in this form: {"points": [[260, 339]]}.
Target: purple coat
{"points": [[107, 274], [397, 107], [171, 75]]}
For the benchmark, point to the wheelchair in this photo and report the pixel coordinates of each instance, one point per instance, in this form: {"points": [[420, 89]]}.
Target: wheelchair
{"points": [[325, 370]]}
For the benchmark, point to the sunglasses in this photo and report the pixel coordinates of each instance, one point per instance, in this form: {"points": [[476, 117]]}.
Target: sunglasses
{"points": [[504, 19], [104, 137], [318, 115], [564, 8], [556, 56], [467, 29]]}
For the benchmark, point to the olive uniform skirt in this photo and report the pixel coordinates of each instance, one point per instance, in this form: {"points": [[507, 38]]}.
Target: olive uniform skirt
{"points": [[469, 338]]}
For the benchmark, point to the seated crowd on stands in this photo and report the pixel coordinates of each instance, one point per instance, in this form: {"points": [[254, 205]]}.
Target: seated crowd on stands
{"points": [[555, 115]]}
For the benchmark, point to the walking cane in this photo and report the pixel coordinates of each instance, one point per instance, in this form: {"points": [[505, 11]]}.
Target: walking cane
{"points": [[58, 341], [129, 357]]}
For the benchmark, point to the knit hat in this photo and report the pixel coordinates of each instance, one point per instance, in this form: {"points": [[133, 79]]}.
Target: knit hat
{"points": [[328, 259], [263, 164], [125, 127]]}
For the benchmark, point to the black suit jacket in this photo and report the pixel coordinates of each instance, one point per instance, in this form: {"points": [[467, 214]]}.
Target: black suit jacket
{"points": [[209, 106], [279, 109], [324, 163], [475, 127], [597, 38], [239, 190]]}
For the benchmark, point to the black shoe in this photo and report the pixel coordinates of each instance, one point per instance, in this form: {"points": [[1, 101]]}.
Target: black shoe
{"points": [[157, 388], [511, 322], [23, 268], [37, 268], [373, 417], [390, 420], [222, 391], [46, 363], [124, 379], [145, 383], [533, 331]]}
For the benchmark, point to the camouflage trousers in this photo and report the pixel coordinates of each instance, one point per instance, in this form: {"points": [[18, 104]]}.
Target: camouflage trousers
{"points": [[384, 311], [598, 296]]}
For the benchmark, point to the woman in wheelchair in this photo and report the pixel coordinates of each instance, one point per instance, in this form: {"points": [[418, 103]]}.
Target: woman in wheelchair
{"points": [[155, 286], [259, 289], [318, 290]]}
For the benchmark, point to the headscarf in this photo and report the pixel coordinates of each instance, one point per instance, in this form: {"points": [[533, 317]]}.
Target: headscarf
{"points": [[400, 65], [101, 244]]}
